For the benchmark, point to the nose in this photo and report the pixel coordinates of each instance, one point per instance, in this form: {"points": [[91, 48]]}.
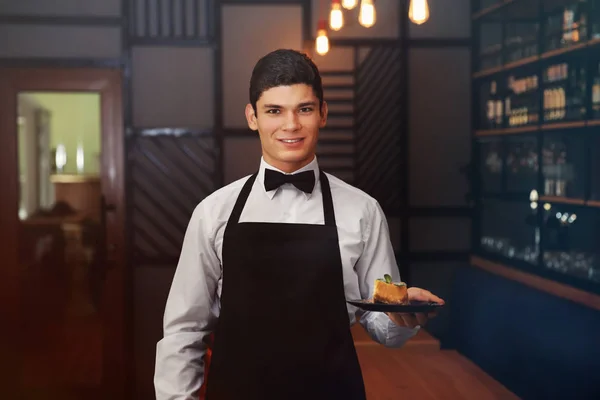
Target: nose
{"points": [[292, 122]]}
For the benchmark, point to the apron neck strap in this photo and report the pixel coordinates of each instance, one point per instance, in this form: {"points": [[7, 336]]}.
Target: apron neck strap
{"points": [[328, 212], [241, 200], [325, 189]]}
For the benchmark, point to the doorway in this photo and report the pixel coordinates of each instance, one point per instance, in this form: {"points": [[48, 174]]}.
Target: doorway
{"points": [[62, 228]]}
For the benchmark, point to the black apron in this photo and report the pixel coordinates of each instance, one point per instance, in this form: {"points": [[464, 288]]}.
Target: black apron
{"points": [[283, 331]]}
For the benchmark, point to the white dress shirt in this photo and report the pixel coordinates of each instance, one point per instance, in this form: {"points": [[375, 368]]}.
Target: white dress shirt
{"points": [[193, 305]]}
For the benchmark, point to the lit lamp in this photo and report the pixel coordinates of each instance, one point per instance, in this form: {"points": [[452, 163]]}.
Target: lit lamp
{"points": [[418, 11], [366, 16], [80, 158], [60, 159], [336, 17], [322, 42], [349, 4]]}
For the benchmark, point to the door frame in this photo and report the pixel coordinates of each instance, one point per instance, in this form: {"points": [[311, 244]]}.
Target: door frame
{"points": [[116, 301]]}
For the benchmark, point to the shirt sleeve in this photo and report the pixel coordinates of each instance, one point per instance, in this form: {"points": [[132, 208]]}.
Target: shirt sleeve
{"points": [[377, 260], [190, 314]]}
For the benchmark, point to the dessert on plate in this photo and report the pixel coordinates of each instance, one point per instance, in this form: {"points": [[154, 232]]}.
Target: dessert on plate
{"points": [[389, 292]]}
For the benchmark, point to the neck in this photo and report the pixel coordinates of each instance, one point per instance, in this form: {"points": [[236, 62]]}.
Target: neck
{"points": [[289, 167]]}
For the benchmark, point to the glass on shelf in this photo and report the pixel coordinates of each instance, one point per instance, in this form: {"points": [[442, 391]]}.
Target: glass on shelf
{"points": [[595, 169], [594, 8], [566, 24], [508, 228], [491, 160], [596, 90], [522, 164], [490, 48], [564, 83], [571, 236], [491, 111], [521, 103], [521, 41], [563, 160]]}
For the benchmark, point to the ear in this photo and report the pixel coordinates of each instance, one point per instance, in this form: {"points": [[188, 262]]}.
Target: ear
{"points": [[251, 117], [324, 112]]}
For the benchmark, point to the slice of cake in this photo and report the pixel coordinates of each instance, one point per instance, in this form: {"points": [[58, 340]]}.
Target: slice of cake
{"points": [[390, 293]]}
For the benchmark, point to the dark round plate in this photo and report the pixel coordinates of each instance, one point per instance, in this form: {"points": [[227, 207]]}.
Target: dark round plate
{"points": [[412, 307]]}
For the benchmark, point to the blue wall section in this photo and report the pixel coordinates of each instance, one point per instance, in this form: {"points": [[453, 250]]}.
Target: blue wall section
{"points": [[537, 345]]}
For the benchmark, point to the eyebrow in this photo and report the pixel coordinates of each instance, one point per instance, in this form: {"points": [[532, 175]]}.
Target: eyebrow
{"points": [[301, 105]]}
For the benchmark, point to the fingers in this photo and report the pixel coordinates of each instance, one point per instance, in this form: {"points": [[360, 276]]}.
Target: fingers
{"points": [[418, 294], [396, 319], [408, 320], [421, 318]]}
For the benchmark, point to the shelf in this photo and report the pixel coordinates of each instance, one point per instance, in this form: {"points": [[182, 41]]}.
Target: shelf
{"points": [[557, 52], [491, 9], [533, 59], [546, 285], [507, 131], [531, 129], [562, 200], [571, 201], [564, 125]]}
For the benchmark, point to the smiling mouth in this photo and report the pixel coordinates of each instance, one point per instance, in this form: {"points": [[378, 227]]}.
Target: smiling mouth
{"points": [[291, 141]]}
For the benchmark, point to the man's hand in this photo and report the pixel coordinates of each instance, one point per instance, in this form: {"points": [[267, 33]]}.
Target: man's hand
{"points": [[412, 320]]}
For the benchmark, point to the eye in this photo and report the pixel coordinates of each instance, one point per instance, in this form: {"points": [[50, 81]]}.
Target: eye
{"points": [[306, 109], [273, 111]]}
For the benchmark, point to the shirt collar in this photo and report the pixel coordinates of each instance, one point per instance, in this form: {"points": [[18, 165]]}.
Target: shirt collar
{"points": [[312, 166]]}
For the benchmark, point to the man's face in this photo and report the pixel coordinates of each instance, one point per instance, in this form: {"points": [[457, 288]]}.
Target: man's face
{"points": [[288, 121]]}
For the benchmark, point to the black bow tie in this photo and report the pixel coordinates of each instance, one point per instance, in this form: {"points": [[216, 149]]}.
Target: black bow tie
{"points": [[304, 181]]}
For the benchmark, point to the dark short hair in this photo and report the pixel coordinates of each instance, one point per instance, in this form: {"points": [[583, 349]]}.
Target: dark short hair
{"points": [[284, 67]]}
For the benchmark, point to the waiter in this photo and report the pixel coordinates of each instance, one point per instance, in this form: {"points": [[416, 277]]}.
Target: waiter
{"points": [[268, 262]]}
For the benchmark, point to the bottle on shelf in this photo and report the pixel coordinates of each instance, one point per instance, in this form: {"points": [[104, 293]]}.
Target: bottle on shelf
{"points": [[595, 18], [520, 108], [494, 107], [596, 94], [548, 169], [596, 97], [561, 178], [574, 24]]}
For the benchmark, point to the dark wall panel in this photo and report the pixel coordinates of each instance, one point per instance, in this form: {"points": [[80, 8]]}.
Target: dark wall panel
{"points": [[41, 41], [61, 7], [440, 234], [173, 87], [437, 277], [169, 174], [439, 126], [242, 156], [378, 124]]}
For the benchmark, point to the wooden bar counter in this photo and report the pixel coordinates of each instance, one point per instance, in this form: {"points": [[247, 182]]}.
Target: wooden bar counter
{"points": [[420, 370]]}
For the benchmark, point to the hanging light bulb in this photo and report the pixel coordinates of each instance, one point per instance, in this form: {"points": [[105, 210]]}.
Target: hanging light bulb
{"points": [[336, 17], [322, 42], [418, 11], [349, 4], [366, 16]]}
